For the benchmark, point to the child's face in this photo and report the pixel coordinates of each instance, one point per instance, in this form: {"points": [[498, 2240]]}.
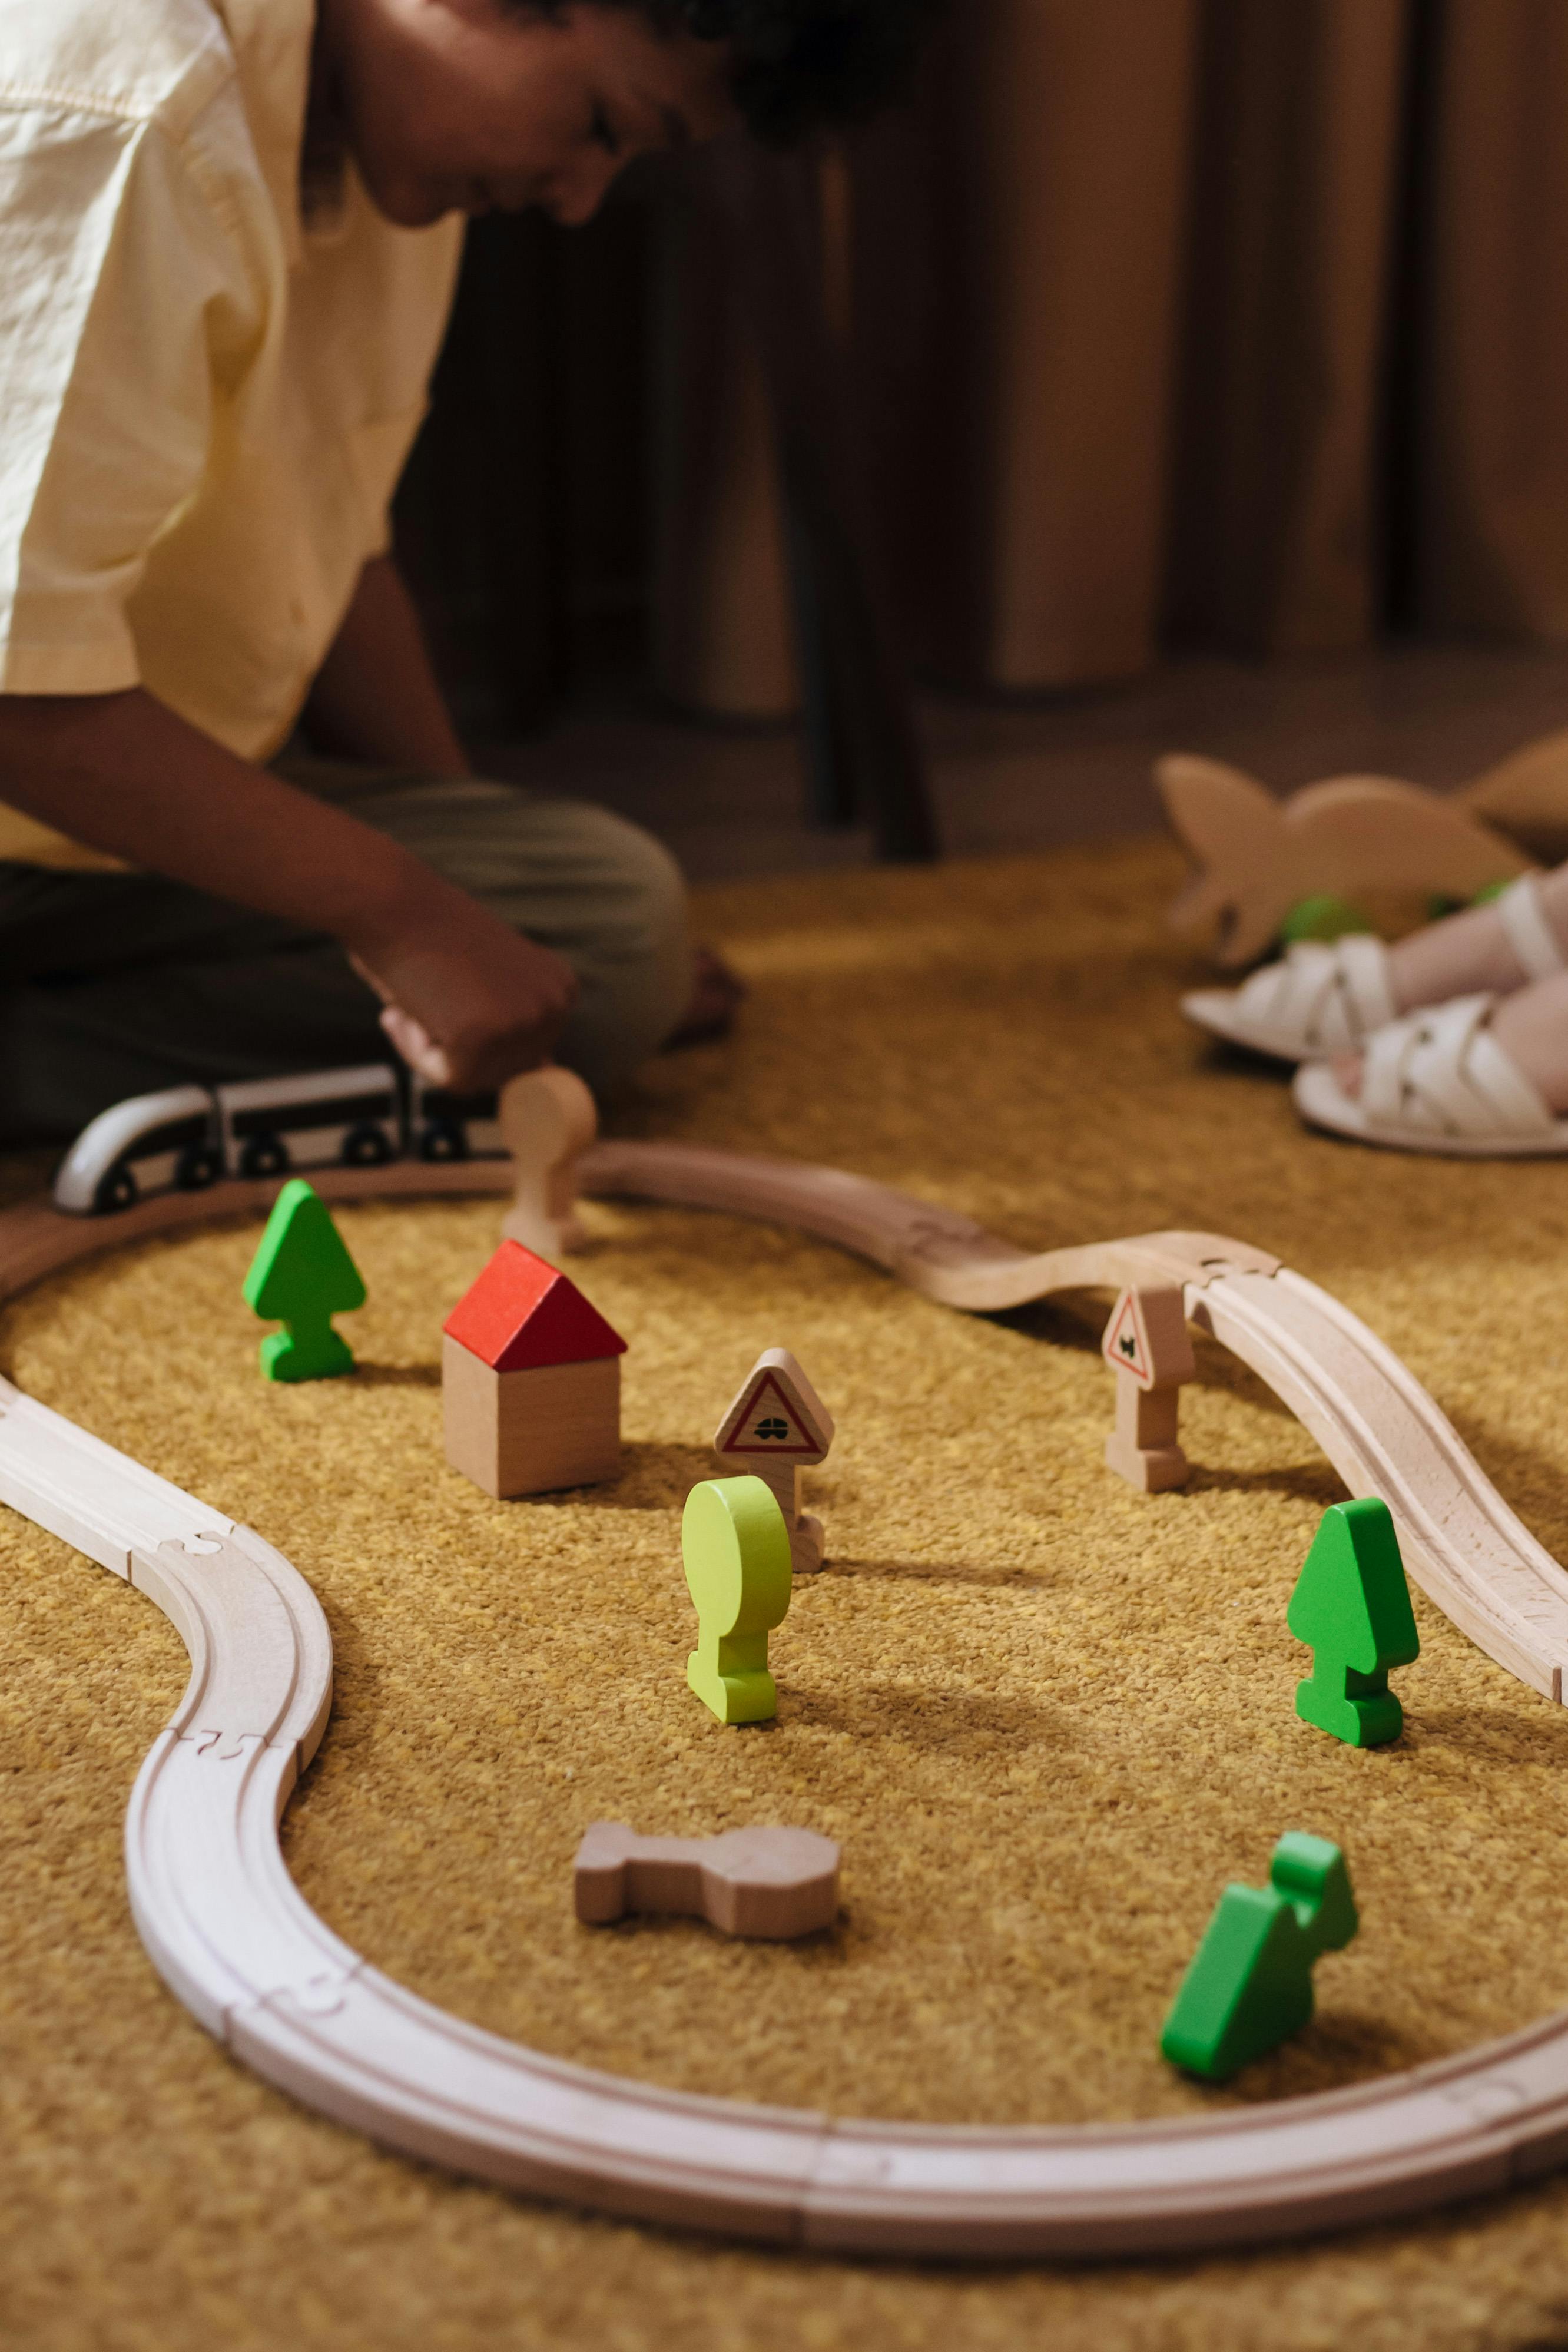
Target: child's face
{"points": [[484, 105]]}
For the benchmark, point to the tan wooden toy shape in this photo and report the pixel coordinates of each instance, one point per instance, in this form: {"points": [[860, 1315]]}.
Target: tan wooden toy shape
{"points": [[775, 1425], [1147, 1346], [548, 1120], [770, 1883], [1255, 856]]}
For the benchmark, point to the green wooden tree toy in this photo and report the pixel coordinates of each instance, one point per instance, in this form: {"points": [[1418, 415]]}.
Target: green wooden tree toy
{"points": [[1251, 1983], [301, 1277], [735, 1548], [1351, 1604]]}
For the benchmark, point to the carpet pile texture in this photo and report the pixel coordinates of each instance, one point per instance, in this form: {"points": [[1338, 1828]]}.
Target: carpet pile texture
{"points": [[1046, 1719]]}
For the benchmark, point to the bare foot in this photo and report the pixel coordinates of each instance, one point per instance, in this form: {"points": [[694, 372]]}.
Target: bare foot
{"points": [[717, 995], [1530, 1025]]}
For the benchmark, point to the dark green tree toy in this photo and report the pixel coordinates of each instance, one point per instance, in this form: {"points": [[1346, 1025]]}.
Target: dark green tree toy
{"points": [[1351, 1604], [301, 1277], [1251, 1982]]}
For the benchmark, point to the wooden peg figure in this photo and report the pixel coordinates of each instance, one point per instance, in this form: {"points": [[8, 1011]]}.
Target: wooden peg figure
{"points": [[777, 1425], [1147, 1345], [548, 1120], [735, 1551]]}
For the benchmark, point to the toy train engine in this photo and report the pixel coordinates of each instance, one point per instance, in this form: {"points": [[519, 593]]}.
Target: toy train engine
{"points": [[153, 1143]]}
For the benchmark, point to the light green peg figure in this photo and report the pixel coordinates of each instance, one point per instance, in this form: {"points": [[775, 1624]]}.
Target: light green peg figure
{"points": [[736, 1549]]}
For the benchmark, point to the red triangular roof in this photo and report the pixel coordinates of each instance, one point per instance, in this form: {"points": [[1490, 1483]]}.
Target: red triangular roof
{"points": [[523, 1312]]}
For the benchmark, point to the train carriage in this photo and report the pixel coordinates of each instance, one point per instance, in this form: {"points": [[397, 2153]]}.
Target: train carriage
{"points": [[277, 1127], [185, 1137], [445, 1125]]}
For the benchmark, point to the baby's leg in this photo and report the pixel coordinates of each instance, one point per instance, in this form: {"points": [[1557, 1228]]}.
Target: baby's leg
{"points": [[1532, 1026], [1471, 951]]}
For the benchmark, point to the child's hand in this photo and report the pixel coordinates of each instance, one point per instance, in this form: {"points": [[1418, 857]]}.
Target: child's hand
{"points": [[468, 1003]]}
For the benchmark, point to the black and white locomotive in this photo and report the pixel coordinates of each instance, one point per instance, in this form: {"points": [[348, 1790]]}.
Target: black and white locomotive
{"points": [[185, 1138]]}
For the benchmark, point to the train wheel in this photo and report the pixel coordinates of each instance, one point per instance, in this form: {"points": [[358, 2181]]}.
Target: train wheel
{"points": [[198, 1168], [443, 1139], [264, 1155], [117, 1188], [366, 1147]]}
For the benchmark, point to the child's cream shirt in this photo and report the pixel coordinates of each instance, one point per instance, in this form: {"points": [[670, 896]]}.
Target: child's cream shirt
{"points": [[205, 403]]}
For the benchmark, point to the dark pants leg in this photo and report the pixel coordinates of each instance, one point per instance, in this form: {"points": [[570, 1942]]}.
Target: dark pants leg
{"points": [[113, 984]]}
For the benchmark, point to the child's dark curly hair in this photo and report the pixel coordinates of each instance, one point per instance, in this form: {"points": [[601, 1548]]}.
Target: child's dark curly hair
{"points": [[804, 65]]}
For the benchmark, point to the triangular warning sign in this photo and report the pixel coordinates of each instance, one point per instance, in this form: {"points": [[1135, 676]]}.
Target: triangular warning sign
{"points": [[777, 1411], [1147, 1336], [1124, 1344]]}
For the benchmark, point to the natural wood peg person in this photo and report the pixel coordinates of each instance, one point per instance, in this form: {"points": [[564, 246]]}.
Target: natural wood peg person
{"points": [[548, 1120]]}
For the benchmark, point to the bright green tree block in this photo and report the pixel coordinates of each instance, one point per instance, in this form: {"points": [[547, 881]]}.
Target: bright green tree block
{"points": [[1352, 1605], [301, 1277], [736, 1549], [1251, 1983], [1321, 918]]}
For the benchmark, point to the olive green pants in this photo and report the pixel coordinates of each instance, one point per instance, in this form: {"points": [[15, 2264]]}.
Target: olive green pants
{"points": [[113, 984]]}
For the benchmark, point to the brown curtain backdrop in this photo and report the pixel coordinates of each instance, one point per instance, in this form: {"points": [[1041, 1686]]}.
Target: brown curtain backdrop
{"points": [[1236, 323]]}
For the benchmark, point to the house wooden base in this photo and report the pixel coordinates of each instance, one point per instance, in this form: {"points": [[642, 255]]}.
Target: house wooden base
{"points": [[529, 1431]]}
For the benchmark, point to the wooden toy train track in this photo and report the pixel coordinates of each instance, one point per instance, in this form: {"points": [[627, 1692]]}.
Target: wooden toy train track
{"points": [[231, 1935]]}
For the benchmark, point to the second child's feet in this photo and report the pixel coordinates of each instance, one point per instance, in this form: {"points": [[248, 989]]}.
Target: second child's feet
{"points": [[1321, 1000], [1529, 1024]]}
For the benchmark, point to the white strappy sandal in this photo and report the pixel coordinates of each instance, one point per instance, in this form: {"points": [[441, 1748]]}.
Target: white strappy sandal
{"points": [[1435, 1081], [1324, 998]]}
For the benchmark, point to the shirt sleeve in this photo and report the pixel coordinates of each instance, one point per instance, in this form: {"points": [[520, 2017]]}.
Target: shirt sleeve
{"points": [[120, 289]]}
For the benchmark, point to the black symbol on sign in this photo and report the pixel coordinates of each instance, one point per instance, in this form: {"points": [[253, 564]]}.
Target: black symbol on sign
{"points": [[1128, 1346], [774, 1428]]}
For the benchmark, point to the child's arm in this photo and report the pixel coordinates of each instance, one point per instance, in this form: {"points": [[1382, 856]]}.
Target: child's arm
{"points": [[376, 696], [469, 1002]]}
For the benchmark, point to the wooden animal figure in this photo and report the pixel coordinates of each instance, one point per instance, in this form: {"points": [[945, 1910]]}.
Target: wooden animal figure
{"points": [[1351, 1604], [735, 1551], [1525, 797], [775, 1883], [1147, 1344], [1251, 1983], [530, 1381], [300, 1276], [777, 1425], [548, 1120], [1255, 856]]}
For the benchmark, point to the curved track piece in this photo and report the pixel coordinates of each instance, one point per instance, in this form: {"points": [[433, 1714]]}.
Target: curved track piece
{"points": [[1378, 1425], [234, 1938]]}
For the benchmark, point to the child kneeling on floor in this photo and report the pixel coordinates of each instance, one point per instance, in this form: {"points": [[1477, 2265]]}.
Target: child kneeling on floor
{"points": [[229, 231]]}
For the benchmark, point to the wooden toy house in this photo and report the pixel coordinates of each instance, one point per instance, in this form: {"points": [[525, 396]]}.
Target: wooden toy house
{"points": [[530, 1379]]}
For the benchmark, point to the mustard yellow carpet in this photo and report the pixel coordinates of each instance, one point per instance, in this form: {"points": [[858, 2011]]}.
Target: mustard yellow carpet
{"points": [[1046, 1719]]}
